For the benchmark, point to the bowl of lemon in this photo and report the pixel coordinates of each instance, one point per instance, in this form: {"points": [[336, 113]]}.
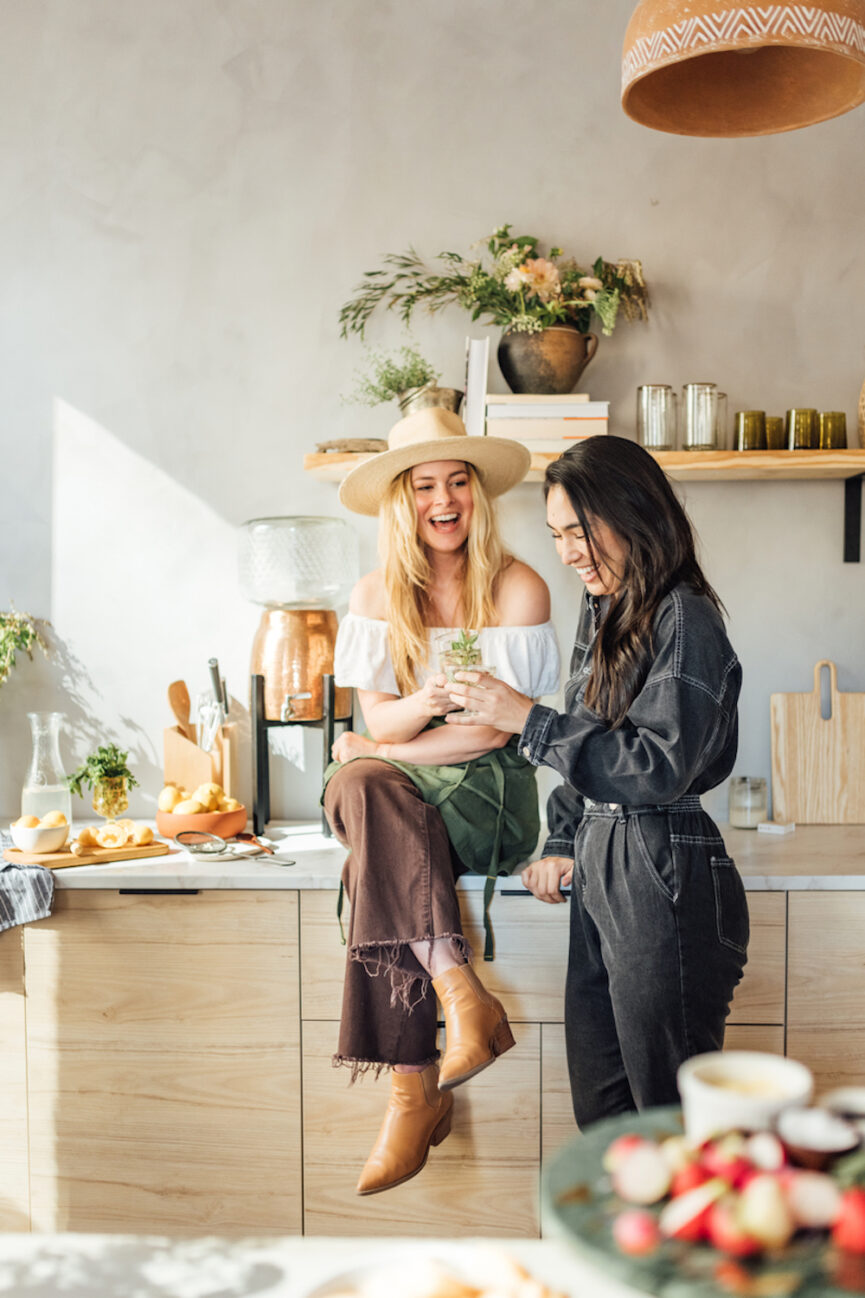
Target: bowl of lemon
{"points": [[207, 808], [30, 834]]}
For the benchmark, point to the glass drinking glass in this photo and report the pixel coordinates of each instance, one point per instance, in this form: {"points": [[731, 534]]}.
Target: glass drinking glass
{"points": [[702, 416], [802, 429], [110, 796], [460, 652], [776, 437], [656, 417], [749, 430], [833, 430], [748, 801]]}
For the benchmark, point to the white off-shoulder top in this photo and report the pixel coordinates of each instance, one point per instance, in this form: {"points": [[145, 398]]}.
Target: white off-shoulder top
{"points": [[525, 657]]}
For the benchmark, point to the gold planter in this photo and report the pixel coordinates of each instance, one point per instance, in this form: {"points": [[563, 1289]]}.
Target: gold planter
{"points": [[292, 649]]}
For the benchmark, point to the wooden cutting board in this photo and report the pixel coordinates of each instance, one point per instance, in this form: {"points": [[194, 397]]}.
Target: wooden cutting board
{"points": [[818, 764], [91, 855]]}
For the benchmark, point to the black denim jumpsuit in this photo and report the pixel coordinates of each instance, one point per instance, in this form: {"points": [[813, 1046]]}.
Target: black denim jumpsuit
{"points": [[659, 919]]}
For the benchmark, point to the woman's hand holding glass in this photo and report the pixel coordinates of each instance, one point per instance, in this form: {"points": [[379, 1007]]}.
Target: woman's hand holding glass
{"points": [[487, 701], [434, 698], [546, 878]]}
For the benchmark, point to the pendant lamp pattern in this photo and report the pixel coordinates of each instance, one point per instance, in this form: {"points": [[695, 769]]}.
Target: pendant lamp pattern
{"points": [[692, 67]]}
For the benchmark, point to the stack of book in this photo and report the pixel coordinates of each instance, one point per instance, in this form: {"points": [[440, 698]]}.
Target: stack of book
{"points": [[546, 423]]}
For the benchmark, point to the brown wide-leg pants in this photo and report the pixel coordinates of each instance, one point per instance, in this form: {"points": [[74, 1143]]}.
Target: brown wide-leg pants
{"points": [[399, 878]]}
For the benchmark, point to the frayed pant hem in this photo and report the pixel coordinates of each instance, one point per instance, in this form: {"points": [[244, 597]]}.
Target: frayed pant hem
{"points": [[360, 1067]]}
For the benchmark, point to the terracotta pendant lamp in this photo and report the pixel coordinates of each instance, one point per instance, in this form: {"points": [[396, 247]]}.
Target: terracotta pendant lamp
{"points": [[711, 67]]}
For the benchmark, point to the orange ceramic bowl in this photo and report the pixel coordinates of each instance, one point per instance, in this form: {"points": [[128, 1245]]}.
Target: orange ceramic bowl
{"points": [[224, 823]]}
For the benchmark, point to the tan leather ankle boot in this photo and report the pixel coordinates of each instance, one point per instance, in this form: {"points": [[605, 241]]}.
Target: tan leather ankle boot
{"points": [[418, 1115], [476, 1026]]}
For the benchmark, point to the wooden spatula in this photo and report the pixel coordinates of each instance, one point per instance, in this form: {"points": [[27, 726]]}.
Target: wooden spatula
{"points": [[178, 698]]}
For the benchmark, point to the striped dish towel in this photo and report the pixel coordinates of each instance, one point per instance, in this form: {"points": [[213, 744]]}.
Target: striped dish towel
{"points": [[26, 892]]}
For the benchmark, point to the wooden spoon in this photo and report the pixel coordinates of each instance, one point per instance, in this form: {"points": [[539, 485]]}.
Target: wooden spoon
{"points": [[178, 698]]}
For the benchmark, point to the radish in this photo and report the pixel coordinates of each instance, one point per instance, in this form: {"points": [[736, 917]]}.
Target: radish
{"points": [[643, 1176], [679, 1153], [686, 1216], [725, 1157], [814, 1199], [726, 1231], [765, 1151], [688, 1178], [764, 1211], [619, 1149], [849, 1229], [636, 1232]]}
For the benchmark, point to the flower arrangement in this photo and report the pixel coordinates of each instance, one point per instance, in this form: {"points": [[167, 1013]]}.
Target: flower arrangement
{"points": [[511, 286], [17, 631], [391, 375]]}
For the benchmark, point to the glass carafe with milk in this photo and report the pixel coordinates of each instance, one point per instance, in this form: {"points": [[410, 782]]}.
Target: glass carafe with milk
{"points": [[45, 788]]}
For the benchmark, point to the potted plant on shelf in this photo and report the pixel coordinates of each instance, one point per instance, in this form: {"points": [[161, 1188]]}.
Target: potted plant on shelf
{"points": [[405, 376], [106, 771], [546, 305]]}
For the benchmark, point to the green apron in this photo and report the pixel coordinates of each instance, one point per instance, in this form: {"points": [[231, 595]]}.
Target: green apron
{"points": [[490, 809]]}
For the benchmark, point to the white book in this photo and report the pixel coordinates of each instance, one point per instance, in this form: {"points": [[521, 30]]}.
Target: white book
{"points": [[540, 398], [562, 410], [522, 430], [477, 364], [556, 445]]}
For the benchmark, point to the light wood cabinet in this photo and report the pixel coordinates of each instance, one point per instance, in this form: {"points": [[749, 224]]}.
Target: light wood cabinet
{"points": [[826, 988], [163, 1054], [759, 998], [14, 1181]]}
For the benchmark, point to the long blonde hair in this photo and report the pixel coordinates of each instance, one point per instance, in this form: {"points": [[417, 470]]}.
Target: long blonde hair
{"points": [[407, 573]]}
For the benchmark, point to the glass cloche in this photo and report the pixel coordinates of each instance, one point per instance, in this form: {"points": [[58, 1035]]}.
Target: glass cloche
{"points": [[298, 562]]}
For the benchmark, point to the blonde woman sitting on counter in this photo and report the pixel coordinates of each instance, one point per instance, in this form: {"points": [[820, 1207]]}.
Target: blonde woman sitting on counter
{"points": [[418, 803]]}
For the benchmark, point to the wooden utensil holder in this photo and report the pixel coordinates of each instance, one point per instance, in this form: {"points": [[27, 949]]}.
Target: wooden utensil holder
{"points": [[188, 765]]}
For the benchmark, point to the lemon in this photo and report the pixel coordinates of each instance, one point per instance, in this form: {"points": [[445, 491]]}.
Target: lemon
{"points": [[52, 820], [189, 807], [229, 804], [87, 836], [209, 795], [142, 835], [169, 797], [128, 825], [111, 835], [27, 822]]}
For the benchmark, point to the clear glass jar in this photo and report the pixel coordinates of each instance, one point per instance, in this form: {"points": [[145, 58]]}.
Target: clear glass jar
{"points": [[703, 417], [110, 796], [748, 801], [298, 562], [45, 787], [657, 417]]}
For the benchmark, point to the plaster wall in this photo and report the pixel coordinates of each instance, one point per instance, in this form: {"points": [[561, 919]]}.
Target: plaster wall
{"points": [[188, 192]]}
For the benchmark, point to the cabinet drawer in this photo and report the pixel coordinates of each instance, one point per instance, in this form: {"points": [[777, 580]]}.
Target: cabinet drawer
{"points": [[826, 995], [759, 997], [528, 972], [490, 1157], [15, 1192]]}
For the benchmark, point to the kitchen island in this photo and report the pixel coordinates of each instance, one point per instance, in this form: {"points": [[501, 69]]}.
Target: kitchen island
{"points": [[167, 1034]]}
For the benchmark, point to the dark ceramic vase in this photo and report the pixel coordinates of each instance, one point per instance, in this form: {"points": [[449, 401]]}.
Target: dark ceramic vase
{"points": [[547, 362]]}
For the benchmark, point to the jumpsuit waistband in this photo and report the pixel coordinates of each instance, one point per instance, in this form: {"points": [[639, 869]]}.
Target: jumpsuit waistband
{"points": [[690, 802]]}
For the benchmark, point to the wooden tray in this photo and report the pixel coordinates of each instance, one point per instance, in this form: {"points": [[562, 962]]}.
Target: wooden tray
{"points": [[91, 855], [818, 765]]}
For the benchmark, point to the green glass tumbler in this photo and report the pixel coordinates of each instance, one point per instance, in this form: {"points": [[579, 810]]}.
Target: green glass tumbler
{"points": [[802, 429], [776, 435], [749, 430], [833, 430]]}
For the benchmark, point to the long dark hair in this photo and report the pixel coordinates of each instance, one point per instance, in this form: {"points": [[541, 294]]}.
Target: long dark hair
{"points": [[614, 480]]}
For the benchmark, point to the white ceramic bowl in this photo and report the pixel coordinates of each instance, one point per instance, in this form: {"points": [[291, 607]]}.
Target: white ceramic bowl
{"points": [[40, 839], [744, 1090]]}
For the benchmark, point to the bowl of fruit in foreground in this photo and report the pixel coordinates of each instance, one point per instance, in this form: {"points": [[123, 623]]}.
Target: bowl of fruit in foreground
{"points": [[30, 834], [207, 808]]}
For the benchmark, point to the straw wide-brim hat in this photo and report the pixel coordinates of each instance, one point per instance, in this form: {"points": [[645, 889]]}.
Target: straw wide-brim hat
{"points": [[429, 435]]}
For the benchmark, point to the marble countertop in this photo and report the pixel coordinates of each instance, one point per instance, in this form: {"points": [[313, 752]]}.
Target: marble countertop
{"points": [[819, 857], [116, 1266]]}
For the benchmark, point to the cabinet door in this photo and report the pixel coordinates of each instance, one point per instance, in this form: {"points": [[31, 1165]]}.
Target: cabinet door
{"points": [[14, 1186], [481, 1180], [163, 1058], [759, 998], [528, 973], [826, 994]]}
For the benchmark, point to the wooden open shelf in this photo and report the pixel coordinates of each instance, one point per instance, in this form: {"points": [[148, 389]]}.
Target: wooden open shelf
{"points": [[686, 466]]}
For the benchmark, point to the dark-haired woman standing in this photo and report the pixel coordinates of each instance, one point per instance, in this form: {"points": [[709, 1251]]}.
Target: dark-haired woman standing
{"points": [[659, 920]]}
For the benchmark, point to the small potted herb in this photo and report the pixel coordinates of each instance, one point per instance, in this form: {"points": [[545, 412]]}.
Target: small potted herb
{"points": [[461, 654], [107, 773], [404, 376]]}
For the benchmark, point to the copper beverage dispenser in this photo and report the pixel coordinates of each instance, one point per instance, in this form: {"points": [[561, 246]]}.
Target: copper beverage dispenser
{"points": [[299, 568]]}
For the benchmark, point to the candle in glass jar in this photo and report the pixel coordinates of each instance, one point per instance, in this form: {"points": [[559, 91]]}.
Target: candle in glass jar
{"points": [[748, 801]]}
